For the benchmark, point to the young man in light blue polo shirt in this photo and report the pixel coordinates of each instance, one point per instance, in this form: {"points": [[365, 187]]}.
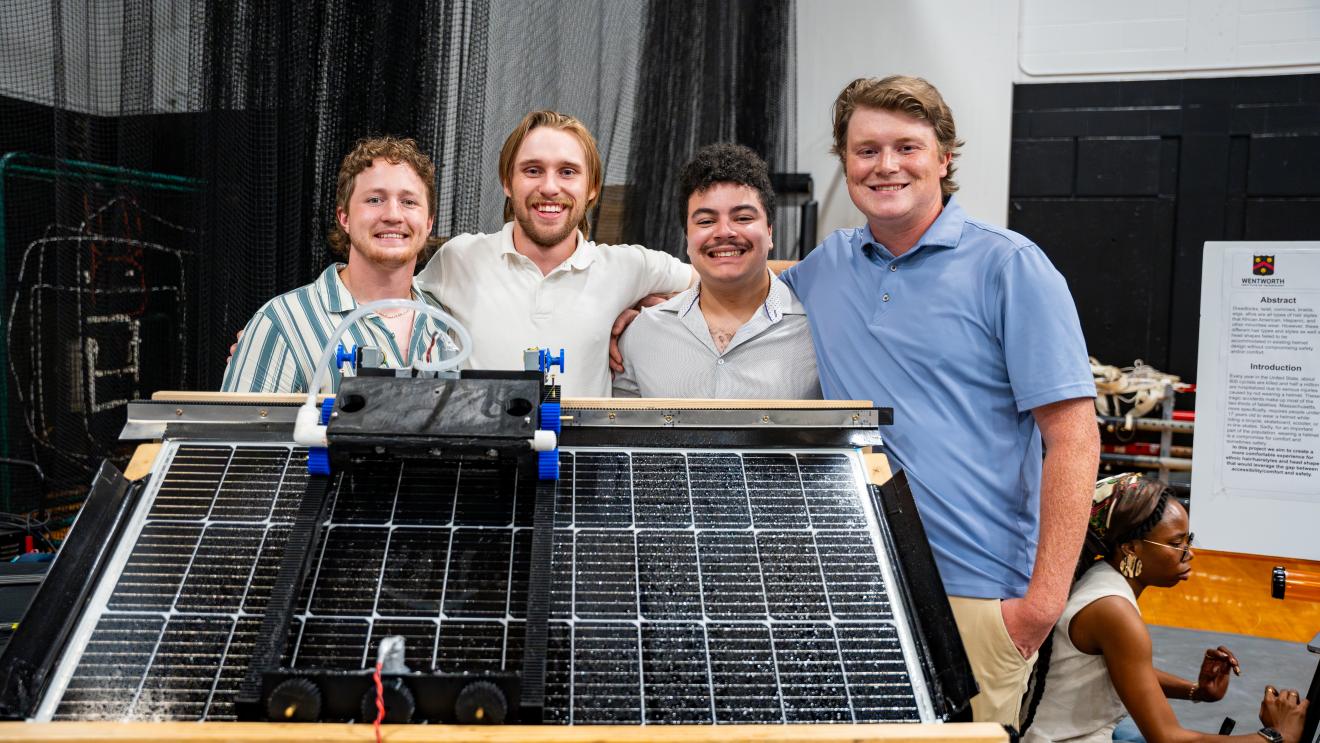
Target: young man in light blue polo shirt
{"points": [[970, 334]]}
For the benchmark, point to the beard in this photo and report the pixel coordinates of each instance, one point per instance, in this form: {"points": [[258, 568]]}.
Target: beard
{"points": [[389, 257], [549, 237]]}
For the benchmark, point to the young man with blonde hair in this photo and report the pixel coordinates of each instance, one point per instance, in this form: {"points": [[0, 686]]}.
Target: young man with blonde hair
{"points": [[541, 281], [384, 201], [969, 332]]}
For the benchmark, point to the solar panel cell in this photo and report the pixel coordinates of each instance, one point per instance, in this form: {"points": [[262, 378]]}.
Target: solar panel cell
{"points": [[775, 491], [676, 673], [791, 574], [606, 674], [660, 491], [731, 581], [744, 674], [670, 583], [605, 575], [719, 493], [477, 582], [412, 584]]}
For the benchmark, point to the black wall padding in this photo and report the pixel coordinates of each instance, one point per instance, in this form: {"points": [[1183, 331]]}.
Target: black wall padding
{"points": [[1122, 184]]}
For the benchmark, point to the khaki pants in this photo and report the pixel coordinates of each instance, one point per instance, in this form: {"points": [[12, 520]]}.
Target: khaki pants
{"points": [[1000, 669]]}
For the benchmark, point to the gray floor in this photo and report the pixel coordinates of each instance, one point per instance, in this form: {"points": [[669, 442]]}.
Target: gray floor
{"points": [[1286, 665]]}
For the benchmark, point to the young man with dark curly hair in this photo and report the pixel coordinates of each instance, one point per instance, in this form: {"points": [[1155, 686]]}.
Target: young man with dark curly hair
{"points": [[384, 202], [738, 332]]}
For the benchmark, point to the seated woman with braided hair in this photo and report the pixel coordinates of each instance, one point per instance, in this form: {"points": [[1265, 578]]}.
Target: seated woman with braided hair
{"points": [[1098, 659]]}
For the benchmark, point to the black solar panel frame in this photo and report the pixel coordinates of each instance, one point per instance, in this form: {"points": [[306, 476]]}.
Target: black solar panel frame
{"points": [[34, 649]]}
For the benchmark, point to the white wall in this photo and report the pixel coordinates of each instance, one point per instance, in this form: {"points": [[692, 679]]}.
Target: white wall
{"points": [[1169, 38], [975, 50], [966, 48]]}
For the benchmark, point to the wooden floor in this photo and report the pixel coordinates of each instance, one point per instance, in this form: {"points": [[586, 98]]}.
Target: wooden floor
{"points": [[1230, 592]]}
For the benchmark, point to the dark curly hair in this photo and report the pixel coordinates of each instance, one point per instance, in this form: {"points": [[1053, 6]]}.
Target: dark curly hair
{"points": [[726, 163]]}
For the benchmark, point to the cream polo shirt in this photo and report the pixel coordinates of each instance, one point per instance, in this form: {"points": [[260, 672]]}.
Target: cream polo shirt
{"points": [[500, 296]]}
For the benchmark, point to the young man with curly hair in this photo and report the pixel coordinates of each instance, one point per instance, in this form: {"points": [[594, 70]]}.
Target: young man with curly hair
{"points": [[738, 332], [384, 202]]}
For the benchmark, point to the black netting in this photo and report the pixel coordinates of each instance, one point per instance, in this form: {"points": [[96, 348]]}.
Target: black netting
{"points": [[174, 160], [712, 72]]}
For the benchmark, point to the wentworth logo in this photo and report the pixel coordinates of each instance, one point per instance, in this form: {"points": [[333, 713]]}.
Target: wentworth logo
{"points": [[1263, 265]]}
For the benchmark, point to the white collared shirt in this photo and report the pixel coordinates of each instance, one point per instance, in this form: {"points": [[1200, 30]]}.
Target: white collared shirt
{"points": [[500, 296], [668, 352]]}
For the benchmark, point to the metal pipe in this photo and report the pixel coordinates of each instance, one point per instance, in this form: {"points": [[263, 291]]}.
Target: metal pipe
{"points": [[1114, 423], [1174, 464], [1146, 448]]}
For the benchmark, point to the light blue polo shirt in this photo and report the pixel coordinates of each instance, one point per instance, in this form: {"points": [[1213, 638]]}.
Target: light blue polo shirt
{"points": [[962, 335]]}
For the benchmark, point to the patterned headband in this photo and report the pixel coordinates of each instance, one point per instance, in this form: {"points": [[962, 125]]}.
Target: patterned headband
{"points": [[1104, 500]]}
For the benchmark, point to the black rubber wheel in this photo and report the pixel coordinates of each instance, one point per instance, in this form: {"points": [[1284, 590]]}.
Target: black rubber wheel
{"points": [[294, 700], [399, 702], [480, 703]]}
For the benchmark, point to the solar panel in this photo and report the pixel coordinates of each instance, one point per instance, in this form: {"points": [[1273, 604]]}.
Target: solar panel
{"points": [[688, 586], [175, 629]]}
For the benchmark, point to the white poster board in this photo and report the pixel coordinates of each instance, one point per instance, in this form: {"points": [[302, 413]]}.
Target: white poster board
{"points": [[1256, 466]]}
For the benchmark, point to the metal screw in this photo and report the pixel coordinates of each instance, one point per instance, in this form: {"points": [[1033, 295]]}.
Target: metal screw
{"points": [[669, 419], [178, 411], [612, 416], [262, 413], [856, 418], [765, 419]]}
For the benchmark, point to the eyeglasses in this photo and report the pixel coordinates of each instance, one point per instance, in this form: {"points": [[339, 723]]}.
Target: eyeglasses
{"points": [[1185, 548]]}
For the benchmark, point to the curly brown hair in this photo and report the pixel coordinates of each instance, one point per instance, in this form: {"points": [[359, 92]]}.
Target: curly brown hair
{"points": [[394, 150], [913, 96]]}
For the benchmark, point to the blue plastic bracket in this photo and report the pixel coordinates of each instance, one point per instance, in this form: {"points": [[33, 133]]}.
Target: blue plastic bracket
{"points": [[547, 361], [318, 457], [345, 355]]}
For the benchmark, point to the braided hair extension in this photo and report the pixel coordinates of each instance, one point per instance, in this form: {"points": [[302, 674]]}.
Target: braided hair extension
{"points": [[1134, 498], [1141, 530]]}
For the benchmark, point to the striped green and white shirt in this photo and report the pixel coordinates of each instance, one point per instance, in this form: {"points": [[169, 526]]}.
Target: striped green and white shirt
{"points": [[284, 339]]}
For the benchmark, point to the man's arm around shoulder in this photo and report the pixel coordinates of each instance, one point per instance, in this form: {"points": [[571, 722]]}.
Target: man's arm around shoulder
{"points": [[262, 360], [1072, 455]]}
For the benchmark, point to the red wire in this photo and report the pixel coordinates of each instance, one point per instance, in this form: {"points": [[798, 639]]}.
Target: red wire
{"points": [[380, 700]]}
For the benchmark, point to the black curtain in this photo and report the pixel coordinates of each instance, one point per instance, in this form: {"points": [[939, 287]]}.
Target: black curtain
{"points": [[213, 131], [711, 72]]}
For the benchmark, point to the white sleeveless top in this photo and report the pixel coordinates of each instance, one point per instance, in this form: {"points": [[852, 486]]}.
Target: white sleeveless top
{"points": [[1080, 704]]}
